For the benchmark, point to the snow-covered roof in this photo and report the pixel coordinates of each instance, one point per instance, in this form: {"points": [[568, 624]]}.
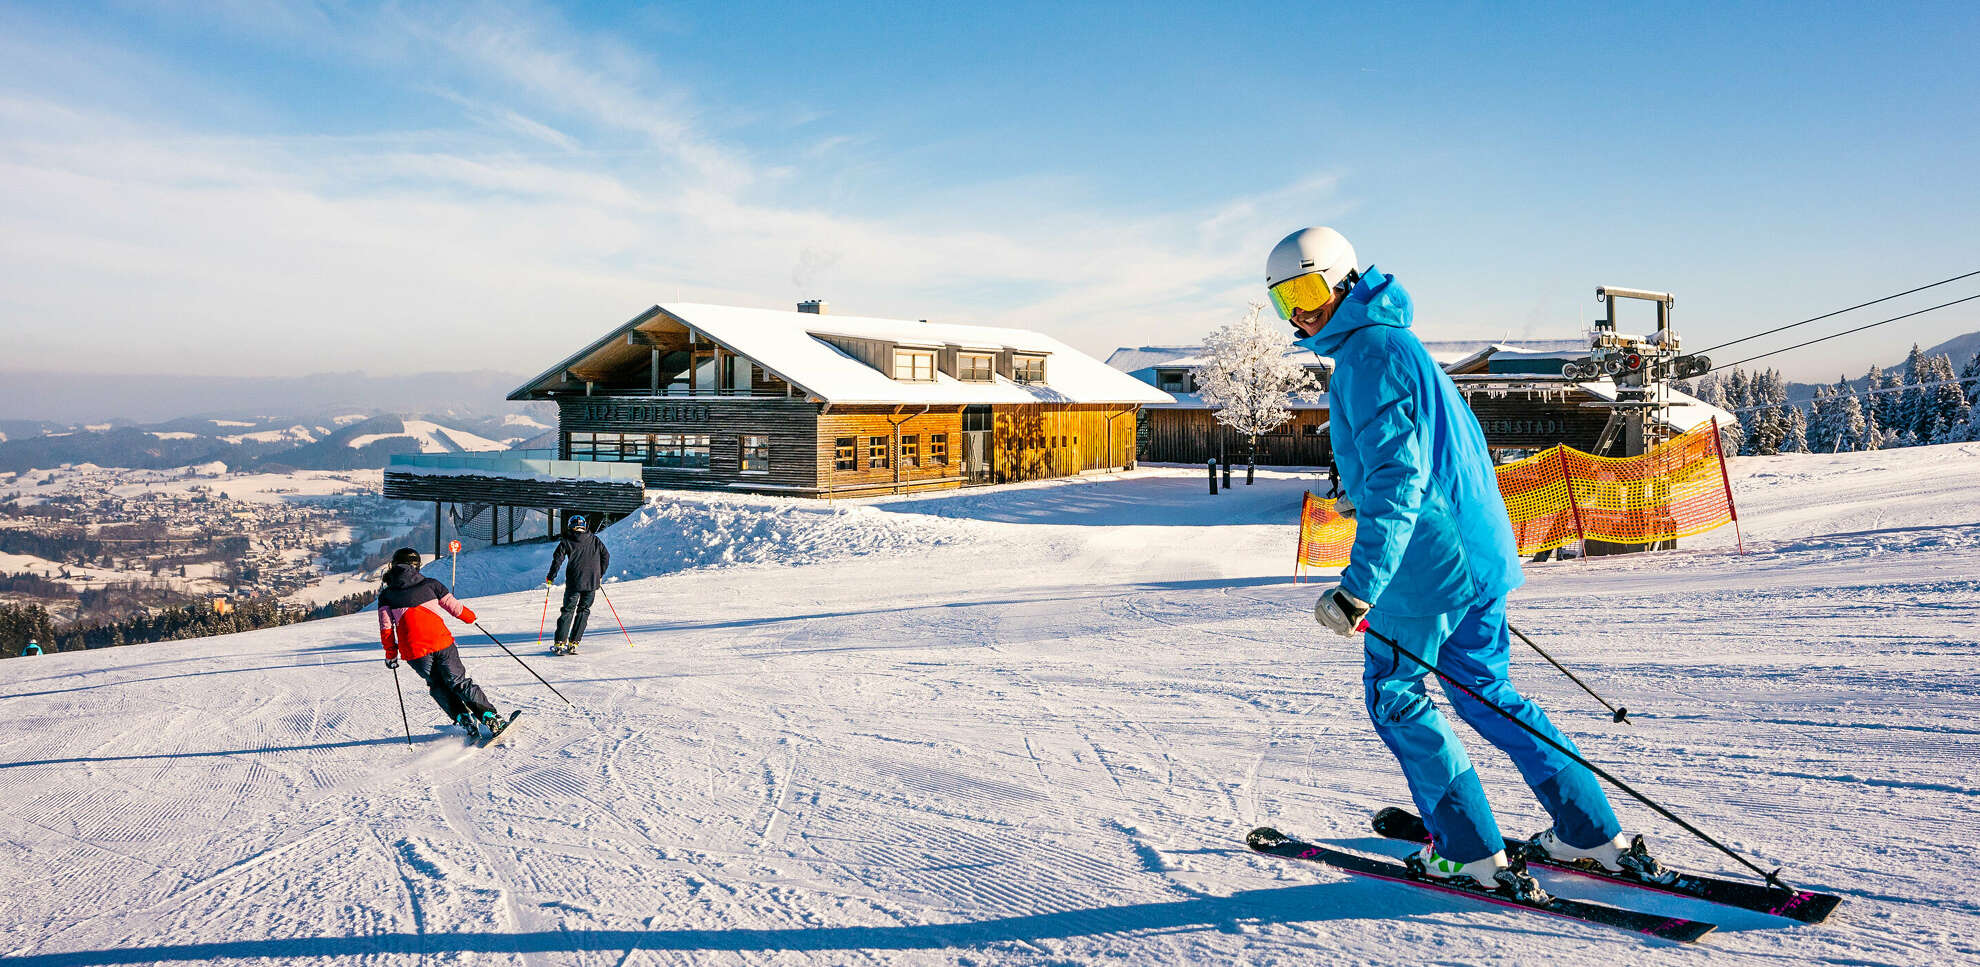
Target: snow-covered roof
{"points": [[1687, 412], [789, 344], [1449, 351]]}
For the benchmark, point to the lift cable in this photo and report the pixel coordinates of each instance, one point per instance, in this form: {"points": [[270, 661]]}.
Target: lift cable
{"points": [[1839, 312], [1845, 332]]}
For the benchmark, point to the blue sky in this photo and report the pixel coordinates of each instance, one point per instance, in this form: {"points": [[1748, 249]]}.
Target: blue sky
{"points": [[258, 187]]}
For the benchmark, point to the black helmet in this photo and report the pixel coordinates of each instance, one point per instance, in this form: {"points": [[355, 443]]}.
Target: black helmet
{"points": [[405, 555]]}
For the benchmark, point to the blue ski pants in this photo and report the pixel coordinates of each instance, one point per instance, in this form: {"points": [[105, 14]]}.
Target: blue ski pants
{"points": [[1474, 647]]}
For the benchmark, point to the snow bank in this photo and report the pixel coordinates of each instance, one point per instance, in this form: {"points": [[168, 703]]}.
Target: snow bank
{"points": [[680, 531]]}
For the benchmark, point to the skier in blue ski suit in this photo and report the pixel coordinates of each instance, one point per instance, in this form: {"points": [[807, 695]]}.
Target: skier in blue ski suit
{"points": [[1433, 560]]}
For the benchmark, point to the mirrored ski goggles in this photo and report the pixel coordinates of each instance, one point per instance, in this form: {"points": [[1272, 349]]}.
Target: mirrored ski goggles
{"points": [[1303, 293]]}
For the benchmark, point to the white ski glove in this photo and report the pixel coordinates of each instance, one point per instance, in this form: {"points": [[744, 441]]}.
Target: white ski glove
{"points": [[1340, 612], [1344, 507]]}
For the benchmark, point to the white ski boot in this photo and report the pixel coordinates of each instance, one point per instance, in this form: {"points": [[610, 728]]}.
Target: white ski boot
{"points": [[1623, 856], [1494, 872]]}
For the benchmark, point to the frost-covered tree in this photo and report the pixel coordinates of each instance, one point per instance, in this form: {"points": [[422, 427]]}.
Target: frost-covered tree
{"points": [[1944, 403], [1766, 416], [1796, 439], [1851, 430], [1877, 406], [1910, 417], [1822, 428], [1252, 376], [1969, 380]]}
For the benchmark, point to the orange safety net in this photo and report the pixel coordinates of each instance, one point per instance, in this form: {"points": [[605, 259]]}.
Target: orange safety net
{"points": [[1562, 495]]}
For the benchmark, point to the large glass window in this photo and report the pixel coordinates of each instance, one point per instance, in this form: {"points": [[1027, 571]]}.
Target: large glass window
{"points": [[845, 453], [687, 451], [876, 451], [938, 449], [976, 367], [610, 447], [756, 454], [914, 364], [910, 451], [1029, 369]]}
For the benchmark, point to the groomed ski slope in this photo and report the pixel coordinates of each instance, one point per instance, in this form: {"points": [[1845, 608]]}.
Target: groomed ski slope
{"points": [[1032, 727]]}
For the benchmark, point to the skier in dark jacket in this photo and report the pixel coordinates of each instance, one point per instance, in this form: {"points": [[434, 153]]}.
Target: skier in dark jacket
{"points": [[410, 609], [588, 559]]}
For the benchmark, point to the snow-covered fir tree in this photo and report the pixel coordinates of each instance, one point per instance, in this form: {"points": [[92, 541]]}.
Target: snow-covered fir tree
{"points": [[1796, 439], [1849, 425], [1944, 402], [1878, 406], [1969, 380], [1910, 418], [1252, 377], [1822, 426]]}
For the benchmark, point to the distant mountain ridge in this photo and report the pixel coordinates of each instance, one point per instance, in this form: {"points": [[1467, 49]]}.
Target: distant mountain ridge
{"points": [[343, 442], [65, 398]]}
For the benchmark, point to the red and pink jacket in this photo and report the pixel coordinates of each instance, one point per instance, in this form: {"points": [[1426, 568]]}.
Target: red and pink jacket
{"points": [[410, 606]]}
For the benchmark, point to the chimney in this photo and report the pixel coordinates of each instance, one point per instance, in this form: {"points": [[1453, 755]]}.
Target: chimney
{"points": [[816, 307]]}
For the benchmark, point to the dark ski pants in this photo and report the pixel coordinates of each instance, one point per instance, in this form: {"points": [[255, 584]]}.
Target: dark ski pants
{"points": [[447, 681], [577, 611], [1471, 645]]}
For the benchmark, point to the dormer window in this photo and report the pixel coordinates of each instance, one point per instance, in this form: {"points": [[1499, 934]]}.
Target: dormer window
{"points": [[976, 367], [914, 365], [1028, 369], [1172, 380]]}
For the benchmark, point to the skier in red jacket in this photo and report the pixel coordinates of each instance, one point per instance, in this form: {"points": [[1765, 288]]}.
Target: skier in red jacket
{"points": [[410, 606]]}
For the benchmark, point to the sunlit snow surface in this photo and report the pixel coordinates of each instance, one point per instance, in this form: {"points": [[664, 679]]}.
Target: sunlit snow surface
{"points": [[1025, 726]]}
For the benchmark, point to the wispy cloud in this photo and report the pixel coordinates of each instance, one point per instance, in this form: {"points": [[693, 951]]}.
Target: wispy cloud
{"points": [[577, 184]]}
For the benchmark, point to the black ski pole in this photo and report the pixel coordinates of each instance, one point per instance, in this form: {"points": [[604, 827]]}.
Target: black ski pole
{"points": [[519, 661], [1773, 879], [402, 705], [1620, 712]]}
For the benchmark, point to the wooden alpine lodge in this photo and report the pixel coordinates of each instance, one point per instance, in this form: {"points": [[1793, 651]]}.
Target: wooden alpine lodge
{"points": [[805, 403]]}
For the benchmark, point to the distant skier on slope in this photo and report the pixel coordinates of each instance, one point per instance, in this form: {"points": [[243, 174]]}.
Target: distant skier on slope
{"points": [[588, 557], [410, 606], [1432, 563], [33, 648]]}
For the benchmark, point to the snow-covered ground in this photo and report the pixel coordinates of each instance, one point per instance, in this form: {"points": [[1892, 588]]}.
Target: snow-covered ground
{"points": [[1031, 726]]}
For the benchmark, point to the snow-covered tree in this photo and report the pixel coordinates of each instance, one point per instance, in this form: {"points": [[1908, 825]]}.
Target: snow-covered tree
{"points": [[1944, 403], [1252, 375], [1796, 439], [1879, 406], [1847, 420], [1910, 416], [1970, 380], [1822, 428]]}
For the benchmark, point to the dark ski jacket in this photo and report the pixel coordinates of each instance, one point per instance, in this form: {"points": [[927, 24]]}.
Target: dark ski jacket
{"points": [[410, 606], [588, 556]]}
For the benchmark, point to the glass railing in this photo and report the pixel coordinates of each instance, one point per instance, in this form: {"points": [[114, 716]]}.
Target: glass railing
{"points": [[535, 463]]}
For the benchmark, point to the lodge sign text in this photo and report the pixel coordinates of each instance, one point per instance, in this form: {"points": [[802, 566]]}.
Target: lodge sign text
{"points": [[644, 413]]}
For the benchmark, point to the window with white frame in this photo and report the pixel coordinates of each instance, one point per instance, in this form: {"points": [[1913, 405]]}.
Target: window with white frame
{"points": [[976, 367], [914, 365]]}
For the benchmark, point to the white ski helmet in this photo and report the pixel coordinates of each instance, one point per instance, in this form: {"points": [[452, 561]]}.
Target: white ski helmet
{"points": [[1309, 251]]}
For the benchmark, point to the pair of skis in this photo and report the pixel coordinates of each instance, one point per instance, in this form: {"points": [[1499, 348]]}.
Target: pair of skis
{"points": [[1803, 906]]}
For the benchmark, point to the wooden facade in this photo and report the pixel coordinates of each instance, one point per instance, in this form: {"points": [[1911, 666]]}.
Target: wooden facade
{"points": [[1513, 419], [1191, 435], [817, 449]]}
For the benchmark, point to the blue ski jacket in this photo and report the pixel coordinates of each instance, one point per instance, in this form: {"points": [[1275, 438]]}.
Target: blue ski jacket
{"points": [[1431, 530]]}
